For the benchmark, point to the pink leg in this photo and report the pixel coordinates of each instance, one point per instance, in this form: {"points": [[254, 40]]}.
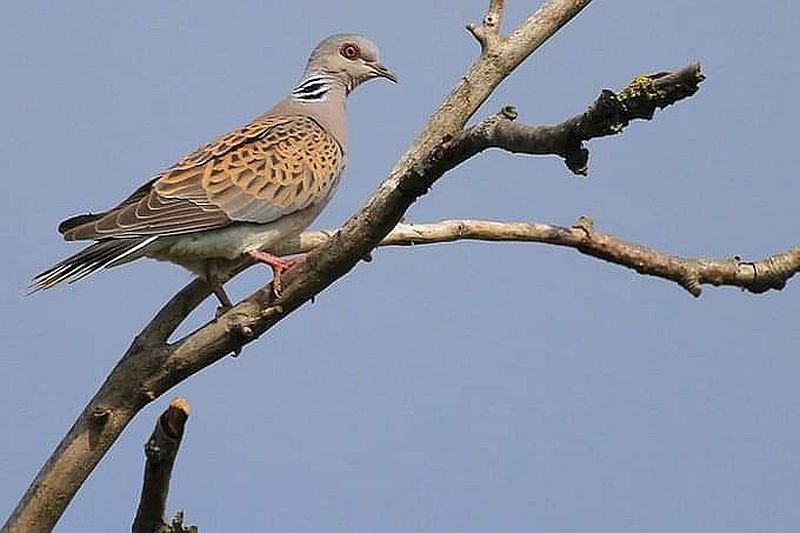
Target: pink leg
{"points": [[279, 266], [224, 304], [222, 296]]}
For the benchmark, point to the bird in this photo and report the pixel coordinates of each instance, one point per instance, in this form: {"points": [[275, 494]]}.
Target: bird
{"points": [[240, 194]]}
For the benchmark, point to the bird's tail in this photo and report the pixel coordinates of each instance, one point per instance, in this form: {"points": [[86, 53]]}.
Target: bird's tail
{"points": [[102, 254]]}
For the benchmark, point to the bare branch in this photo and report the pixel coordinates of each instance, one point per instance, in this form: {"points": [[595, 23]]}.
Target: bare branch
{"points": [[147, 371], [757, 276], [608, 115], [161, 449]]}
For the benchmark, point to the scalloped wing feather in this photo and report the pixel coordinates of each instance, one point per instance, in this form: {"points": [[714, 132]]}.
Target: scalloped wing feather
{"points": [[272, 168], [258, 173]]}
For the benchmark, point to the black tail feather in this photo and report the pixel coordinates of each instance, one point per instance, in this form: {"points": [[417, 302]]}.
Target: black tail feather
{"points": [[78, 220], [99, 255]]}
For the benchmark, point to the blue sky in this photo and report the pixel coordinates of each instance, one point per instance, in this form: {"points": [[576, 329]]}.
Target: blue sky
{"points": [[462, 387]]}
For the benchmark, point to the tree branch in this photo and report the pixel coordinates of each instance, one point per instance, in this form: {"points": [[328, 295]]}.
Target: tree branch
{"points": [[608, 115], [161, 449], [757, 276], [148, 369]]}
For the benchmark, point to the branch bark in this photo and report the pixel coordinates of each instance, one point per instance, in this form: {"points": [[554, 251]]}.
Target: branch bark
{"points": [[160, 449]]}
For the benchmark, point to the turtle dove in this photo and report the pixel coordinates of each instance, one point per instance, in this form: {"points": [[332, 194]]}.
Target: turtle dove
{"points": [[241, 193]]}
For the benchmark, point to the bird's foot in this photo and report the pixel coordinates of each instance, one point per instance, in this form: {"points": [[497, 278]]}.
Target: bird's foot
{"points": [[278, 265]]}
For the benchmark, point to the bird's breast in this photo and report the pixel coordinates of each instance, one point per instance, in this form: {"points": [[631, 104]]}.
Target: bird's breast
{"points": [[232, 241]]}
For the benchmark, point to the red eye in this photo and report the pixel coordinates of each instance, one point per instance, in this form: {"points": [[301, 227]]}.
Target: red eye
{"points": [[350, 51]]}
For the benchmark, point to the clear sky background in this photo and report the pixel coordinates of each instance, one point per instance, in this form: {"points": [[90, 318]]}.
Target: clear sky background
{"points": [[462, 387]]}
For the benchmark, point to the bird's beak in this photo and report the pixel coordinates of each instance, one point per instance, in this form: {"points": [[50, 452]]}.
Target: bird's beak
{"points": [[383, 72]]}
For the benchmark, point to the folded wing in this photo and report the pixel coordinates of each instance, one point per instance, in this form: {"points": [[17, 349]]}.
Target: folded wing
{"points": [[270, 168]]}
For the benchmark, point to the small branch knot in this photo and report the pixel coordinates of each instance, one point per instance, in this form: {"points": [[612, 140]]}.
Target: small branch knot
{"points": [[510, 112], [414, 183], [272, 311], [690, 280], [152, 450], [239, 326], [100, 414], [586, 224]]}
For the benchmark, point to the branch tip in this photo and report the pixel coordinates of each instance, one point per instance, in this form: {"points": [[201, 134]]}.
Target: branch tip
{"points": [[494, 16], [585, 223], [174, 418], [488, 32], [160, 450], [773, 272], [181, 404]]}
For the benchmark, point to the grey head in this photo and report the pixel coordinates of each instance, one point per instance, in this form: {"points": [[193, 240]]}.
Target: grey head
{"points": [[336, 66], [347, 58]]}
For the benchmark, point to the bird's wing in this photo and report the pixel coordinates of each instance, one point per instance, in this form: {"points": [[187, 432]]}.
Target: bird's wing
{"points": [[270, 168], [79, 220]]}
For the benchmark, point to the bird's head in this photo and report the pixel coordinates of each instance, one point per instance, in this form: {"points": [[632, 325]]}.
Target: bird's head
{"points": [[351, 58]]}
